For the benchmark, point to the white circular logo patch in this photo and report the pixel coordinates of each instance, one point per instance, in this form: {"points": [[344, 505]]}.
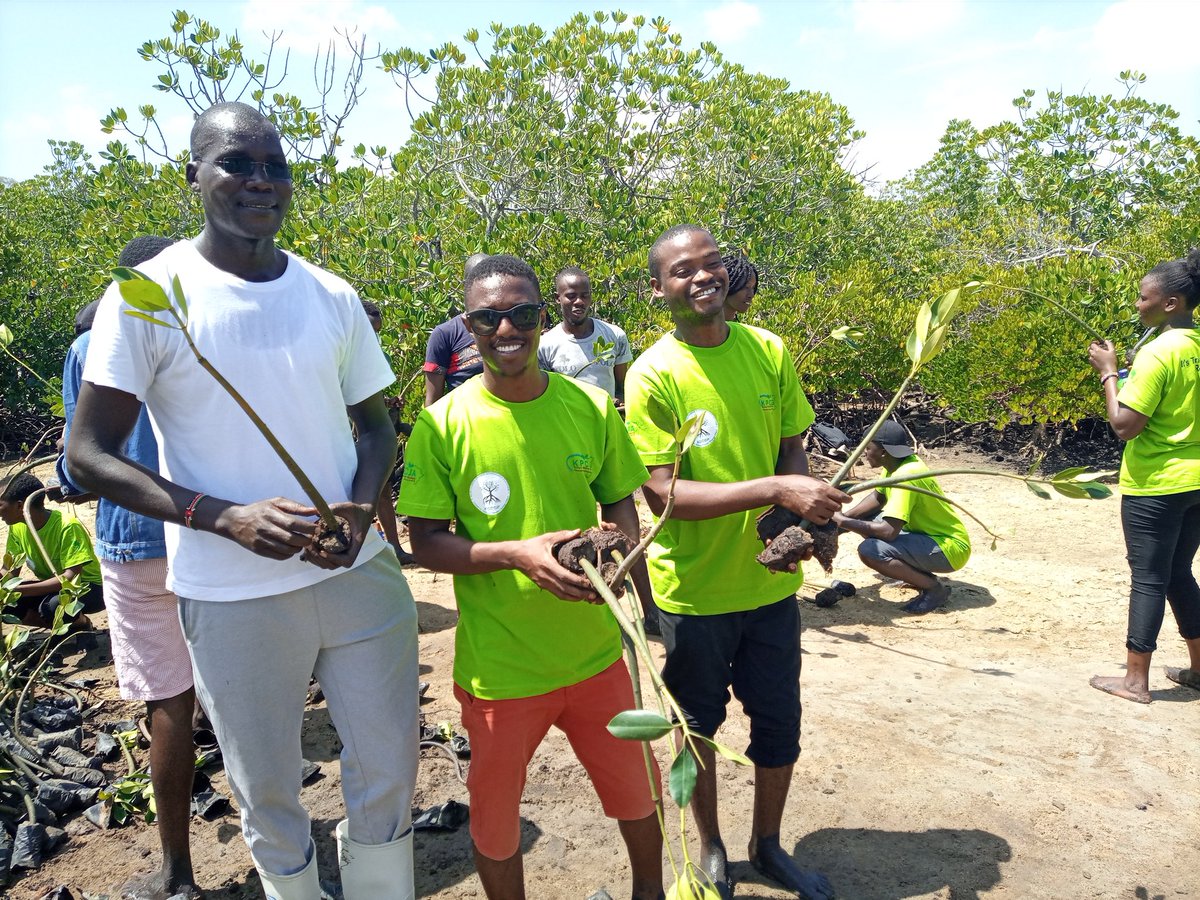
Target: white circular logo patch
{"points": [[708, 428], [489, 492]]}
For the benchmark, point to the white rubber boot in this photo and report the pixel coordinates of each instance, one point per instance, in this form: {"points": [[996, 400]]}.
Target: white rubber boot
{"points": [[304, 885], [375, 871]]}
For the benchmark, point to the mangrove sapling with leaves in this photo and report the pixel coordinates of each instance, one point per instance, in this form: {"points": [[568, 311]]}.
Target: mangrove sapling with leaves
{"points": [[147, 297], [647, 725], [923, 344]]}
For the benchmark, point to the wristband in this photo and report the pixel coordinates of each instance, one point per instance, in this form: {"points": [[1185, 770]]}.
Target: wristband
{"points": [[191, 510], [1104, 378]]}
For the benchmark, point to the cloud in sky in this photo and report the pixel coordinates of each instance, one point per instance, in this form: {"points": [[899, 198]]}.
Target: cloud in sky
{"points": [[731, 22], [905, 20], [1151, 36], [311, 24]]}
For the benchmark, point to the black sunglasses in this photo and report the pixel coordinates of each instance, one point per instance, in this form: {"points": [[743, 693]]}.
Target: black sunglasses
{"points": [[243, 167], [524, 316]]}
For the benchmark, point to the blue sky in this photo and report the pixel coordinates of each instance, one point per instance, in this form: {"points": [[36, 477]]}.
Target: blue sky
{"points": [[904, 68]]}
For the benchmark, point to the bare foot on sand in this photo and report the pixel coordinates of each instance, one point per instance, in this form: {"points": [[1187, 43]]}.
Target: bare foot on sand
{"points": [[1186, 677], [771, 859], [155, 887], [1119, 687]]}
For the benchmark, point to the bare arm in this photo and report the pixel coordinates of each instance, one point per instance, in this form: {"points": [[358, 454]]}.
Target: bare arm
{"points": [[276, 528], [792, 487], [46, 586], [619, 371], [885, 529], [435, 387], [437, 548], [1126, 423]]}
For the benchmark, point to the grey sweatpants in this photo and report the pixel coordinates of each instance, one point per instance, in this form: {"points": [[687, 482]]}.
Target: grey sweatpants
{"points": [[357, 632]]}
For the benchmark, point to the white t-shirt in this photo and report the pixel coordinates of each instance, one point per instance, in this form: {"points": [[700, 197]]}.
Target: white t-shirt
{"points": [[299, 349], [562, 352]]}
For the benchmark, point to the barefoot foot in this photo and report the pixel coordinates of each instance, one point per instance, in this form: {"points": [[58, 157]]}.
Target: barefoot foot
{"points": [[769, 858], [1186, 677], [1118, 686], [715, 863], [155, 886]]}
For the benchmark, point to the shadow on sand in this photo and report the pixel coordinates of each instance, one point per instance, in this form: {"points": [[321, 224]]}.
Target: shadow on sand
{"points": [[869, 864]]}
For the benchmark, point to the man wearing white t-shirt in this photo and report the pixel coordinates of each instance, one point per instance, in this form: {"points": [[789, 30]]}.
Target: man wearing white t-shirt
{"points": [[262, 608], [570, 348]]}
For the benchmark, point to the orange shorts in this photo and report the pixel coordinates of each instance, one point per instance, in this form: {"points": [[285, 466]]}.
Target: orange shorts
{"points": [[505, 733]]}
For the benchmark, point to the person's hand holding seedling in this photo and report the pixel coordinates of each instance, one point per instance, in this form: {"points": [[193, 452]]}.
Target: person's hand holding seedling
{"points": [[1103, 357]]}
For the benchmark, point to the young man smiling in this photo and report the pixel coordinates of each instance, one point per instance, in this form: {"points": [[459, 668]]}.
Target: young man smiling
{"points": [[726, 621], [262, 609], [518, 458]]}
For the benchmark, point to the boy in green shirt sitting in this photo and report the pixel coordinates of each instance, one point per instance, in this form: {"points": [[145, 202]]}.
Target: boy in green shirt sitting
{"points": [[66, 541], [518, 459], [910, 536]]}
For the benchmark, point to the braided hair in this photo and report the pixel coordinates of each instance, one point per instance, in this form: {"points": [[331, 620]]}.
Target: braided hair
{"points": [[740, 270], [1180, 277]]}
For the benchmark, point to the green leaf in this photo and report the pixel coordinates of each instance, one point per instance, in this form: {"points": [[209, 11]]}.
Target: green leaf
{"points": [[912, 348], [180, 300], [145, 295], [1068, 474], [945, 307], [1038, 490], [924, 319], [1068, 489], [142, 315], [639, 725], [1096, 491], [124, 273], [689, 431], [682, 780], [727, 752], [6, 336]]}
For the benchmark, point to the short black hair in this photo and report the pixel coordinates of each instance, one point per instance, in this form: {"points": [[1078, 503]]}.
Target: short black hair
{"points": [[502, 264], [218, 118], [740, 270], [666, 237], [142, 248], [19, 487], [371, 309], [569, 272], [1180, 277], [85, 317]]}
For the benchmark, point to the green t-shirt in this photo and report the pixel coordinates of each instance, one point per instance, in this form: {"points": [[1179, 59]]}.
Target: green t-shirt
{"points": [[1163, 385], [748, 390], [67, 542], [926, 515], [510, 471]]}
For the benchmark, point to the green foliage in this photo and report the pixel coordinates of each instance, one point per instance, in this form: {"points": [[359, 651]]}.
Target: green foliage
{"points": [[578, 145]]}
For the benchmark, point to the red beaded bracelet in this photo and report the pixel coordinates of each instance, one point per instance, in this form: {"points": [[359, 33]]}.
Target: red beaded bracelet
{"points": [[191, 510]]}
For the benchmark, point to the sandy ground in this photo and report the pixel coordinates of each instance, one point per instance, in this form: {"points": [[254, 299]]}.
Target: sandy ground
{"points": [[956, 755]]}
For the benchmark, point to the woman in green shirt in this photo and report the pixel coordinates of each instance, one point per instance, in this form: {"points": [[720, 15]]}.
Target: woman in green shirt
{"points": [[1157, 411]]}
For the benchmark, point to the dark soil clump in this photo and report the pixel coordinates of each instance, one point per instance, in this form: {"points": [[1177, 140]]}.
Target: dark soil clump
{"points": [[788, 548], [334, 542], [596, 545]]}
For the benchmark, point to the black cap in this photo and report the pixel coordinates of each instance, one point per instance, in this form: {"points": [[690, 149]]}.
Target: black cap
{"points": [[894, 439]]}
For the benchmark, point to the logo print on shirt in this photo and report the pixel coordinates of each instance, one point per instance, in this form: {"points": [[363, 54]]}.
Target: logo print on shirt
{"points": [[766, 402], [579, 462], [490, 492], [708, 427]]}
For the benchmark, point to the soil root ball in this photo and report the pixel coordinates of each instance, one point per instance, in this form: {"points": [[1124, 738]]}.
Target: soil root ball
{"points": [[779, 522], [596, 545], [334, 542], [788, 548]]}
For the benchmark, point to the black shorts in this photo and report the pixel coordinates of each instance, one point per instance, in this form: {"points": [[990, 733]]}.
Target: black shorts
{"points": [[757, 653]]}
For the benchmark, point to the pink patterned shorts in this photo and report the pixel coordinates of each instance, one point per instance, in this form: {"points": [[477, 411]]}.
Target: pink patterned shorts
{"points": [[149, 652]]}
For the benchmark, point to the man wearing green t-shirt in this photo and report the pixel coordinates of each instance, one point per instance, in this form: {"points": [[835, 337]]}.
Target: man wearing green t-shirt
{"points": [[68, 545], [910, 536], [518, 459], [726, 621]]}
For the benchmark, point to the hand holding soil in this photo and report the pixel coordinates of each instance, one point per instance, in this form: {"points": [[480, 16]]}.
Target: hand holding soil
{"points": [[535, 558], [339, 550], [597, 546], [1103, 356], [277, 528]]}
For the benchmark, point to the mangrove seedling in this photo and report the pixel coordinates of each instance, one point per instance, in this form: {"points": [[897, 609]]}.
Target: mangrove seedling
{"points": [[147, 297]]}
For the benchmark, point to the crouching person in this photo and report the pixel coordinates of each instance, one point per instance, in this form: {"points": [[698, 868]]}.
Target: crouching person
{"points": [[518, 459], [910, 536]]}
